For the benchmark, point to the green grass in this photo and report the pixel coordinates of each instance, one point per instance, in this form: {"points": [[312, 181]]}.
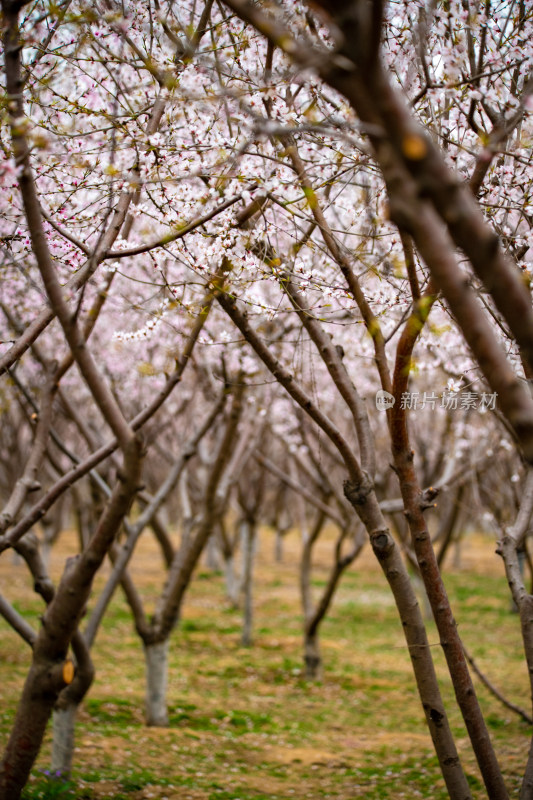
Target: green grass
{"points": [[245, 725]]}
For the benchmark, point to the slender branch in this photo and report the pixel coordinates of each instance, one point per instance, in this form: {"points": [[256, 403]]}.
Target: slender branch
{"points": [[289, 384], [172, 237], [496, 692], [17, 622], [297, 487], [122, 556], [73, 475]]}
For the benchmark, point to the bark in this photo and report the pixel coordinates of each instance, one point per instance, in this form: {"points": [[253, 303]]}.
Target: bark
{"points": [[296, 486], [121, 219], [449, 525], [393, 566], [511, 541], [17, 622], [233, 582], [315, 618], [45, 679], [423, 193], [28, 481], [212, 555], [155, 634], [71, 696], [187, 557], [248, 546], [306, 565], [228, 548], [284, 377], [68, 702], [63, 723], [369, 90], [84, 467], [100, 391], [162, 537], [278, 546], [457, 561], [334, 365], [359, 492], [496, 692], [524, 602], [312, 657], [156, 659], [427, 562], [149, 516]]}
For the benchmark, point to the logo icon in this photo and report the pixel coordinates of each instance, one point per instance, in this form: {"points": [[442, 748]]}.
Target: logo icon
{"points": [[384, 400]]}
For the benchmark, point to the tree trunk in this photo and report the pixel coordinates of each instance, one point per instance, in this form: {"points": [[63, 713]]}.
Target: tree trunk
{"points": [[66, 708], [420, 589], [156, 658], [233, 584], [359, 491], [63, 722], [46, 677], [367, 508], [212, 557], [46, 549], [509, 544], [313, 660], [43, 683], [248, 538], [278, 548]]}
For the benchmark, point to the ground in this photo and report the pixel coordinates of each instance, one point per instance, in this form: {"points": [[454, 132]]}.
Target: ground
{"points": [[244, 724]]}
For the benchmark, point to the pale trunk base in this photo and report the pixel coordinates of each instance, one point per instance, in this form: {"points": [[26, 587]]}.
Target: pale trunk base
{"points": [[233, 583], [63, 722], [247, 539], [278, 549], [156, 658], [212, 556]]}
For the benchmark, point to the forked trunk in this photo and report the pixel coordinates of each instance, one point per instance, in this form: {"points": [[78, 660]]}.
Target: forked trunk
{"points": [[156, 658]]}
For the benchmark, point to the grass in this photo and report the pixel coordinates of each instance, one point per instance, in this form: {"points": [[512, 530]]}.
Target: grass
{"points": [[244, 724]]}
